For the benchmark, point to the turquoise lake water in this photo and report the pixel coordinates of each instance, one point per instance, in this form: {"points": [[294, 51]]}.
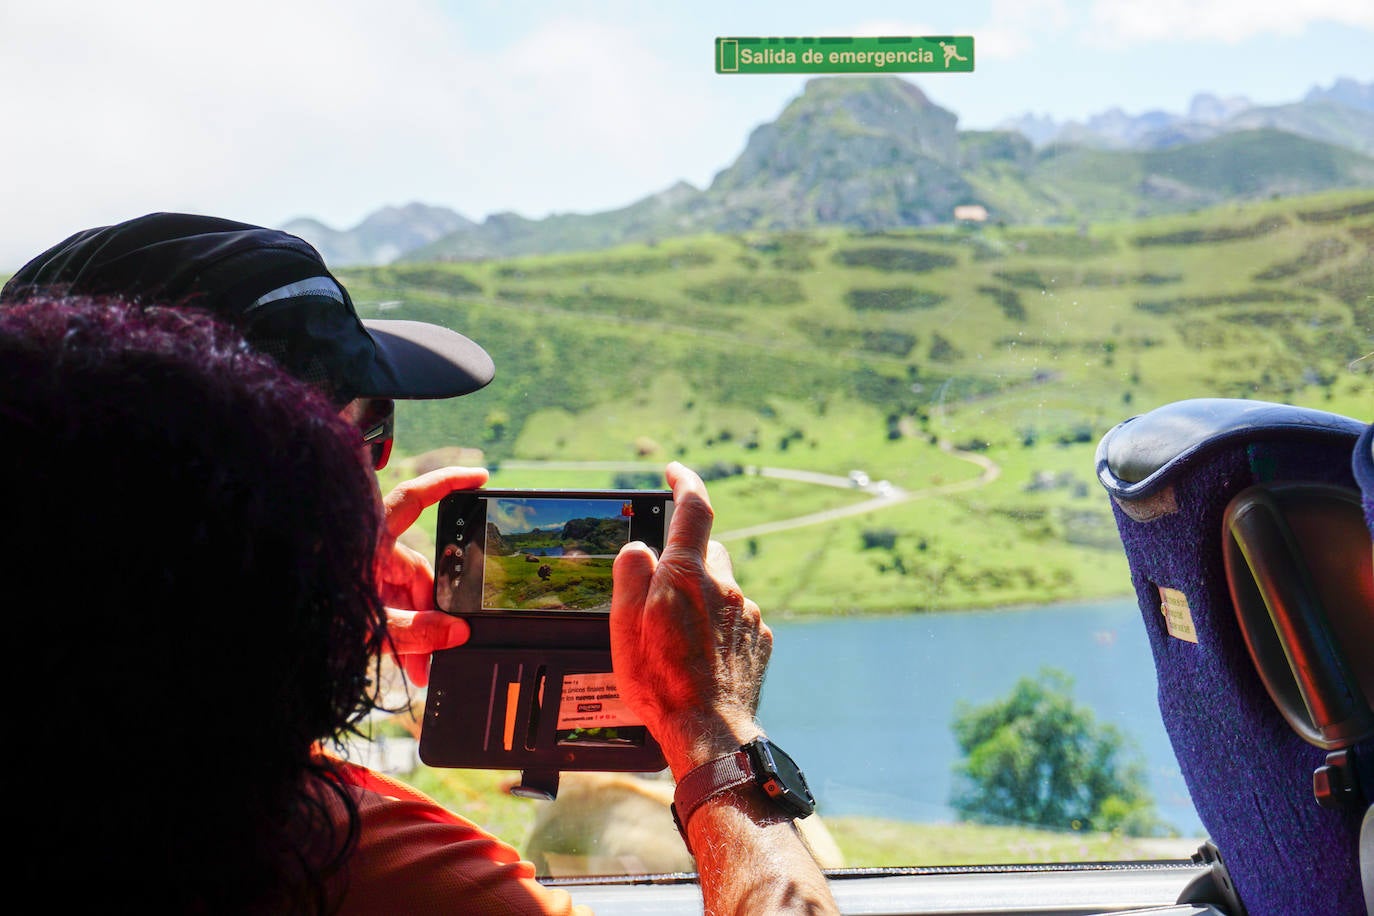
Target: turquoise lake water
{"points": [[865, 704]]}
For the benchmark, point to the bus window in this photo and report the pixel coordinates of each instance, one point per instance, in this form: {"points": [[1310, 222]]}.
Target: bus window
{"points": [[887, 312]]}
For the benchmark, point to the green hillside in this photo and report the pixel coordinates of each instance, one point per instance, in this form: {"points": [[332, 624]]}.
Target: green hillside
{"points": [[836, 350], [1325, 120]]}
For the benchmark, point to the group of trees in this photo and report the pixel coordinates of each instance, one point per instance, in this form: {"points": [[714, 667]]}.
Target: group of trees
{"points": [[1038, 758]]}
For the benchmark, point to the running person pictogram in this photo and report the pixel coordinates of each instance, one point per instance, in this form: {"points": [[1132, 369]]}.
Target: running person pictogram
{"points": [[951, 53]]}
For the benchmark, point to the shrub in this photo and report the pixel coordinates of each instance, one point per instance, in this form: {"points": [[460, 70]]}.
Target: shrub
{"points": [[892, 299], [913, 260]]}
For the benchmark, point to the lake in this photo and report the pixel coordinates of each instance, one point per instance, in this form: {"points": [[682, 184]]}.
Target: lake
{"points": [[865, 704]]}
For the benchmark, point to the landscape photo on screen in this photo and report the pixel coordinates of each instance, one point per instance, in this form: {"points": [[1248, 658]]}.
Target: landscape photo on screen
{"points": [[552, 554]]}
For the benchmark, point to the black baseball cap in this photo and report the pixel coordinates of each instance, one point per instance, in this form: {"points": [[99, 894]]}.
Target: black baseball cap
{"points": [[275, 288]]}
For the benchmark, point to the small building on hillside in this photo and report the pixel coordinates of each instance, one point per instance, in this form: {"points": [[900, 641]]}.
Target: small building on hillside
{"points": [[971, 213]]}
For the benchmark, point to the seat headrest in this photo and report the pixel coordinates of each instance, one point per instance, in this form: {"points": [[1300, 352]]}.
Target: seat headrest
{"points": [[1140, 455]]}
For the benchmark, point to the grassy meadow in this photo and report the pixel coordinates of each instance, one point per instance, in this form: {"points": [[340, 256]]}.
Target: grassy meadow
{"points": [[549, 582], [483, 797], [908, 354]]}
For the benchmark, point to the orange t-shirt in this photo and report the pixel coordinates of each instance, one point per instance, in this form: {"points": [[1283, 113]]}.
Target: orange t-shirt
{"points": [[414, 856]]}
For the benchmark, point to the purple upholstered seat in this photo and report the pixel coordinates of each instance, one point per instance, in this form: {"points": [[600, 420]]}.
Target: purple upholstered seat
{"points": [[1363, 466], [1250, 748]]}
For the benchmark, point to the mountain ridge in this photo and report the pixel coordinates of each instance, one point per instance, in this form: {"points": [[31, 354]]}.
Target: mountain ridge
{"points": [[876, 153], [1207, 115], [382, 236]]}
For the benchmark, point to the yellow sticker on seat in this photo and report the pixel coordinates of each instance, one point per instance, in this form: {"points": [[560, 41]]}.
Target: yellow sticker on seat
{"points": [[1178, 617]]}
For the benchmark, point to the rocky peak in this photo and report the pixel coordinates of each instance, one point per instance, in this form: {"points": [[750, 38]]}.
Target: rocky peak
{"points": [[839, 125]]}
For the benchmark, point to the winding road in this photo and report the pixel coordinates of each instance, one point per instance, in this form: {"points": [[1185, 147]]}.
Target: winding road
{"points": [[883, 493]]}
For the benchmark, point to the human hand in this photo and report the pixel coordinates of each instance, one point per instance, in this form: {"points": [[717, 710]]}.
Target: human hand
{"points": [[405, 578], [689, 650]]}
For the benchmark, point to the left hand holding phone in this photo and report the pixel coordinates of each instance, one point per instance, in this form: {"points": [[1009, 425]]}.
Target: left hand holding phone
{"points": [[405, 577]]}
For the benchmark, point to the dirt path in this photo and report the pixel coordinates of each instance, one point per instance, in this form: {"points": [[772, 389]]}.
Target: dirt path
{"points": [[882, 499], [883, 493]]}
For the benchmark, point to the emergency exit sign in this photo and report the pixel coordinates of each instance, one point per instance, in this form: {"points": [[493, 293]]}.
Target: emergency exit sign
{"points": [[901, 54]]}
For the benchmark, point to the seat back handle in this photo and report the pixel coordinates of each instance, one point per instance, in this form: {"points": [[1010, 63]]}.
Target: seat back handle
{"points": [[1337, 712]]}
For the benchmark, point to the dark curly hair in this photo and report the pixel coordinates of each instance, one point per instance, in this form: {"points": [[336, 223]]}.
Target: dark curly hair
{"points": [[188, 556]]}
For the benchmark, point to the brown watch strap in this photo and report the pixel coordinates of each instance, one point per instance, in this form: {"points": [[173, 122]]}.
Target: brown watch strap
{"points": [[706, 782]]}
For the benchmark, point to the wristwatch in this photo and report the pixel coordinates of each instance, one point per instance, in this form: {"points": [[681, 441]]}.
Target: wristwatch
{"points": [[759, 764]]}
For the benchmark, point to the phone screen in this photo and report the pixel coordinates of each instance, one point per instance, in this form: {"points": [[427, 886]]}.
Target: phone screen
{"points": [[544, 552]]}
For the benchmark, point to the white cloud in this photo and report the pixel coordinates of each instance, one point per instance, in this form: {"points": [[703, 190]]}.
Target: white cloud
{"points": [[264, 110], [595, 98], [1227, 21], [1019, 26], [117, 109], [886, 28], [1011, 28]]}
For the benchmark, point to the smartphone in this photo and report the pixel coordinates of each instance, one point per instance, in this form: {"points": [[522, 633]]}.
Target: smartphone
{"points": [[533, 687], [539, 553]]}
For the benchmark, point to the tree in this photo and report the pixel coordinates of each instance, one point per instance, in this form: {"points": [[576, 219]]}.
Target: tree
{"points": [[1038, 758], [496, 422], [637, 480], [885, 538]]}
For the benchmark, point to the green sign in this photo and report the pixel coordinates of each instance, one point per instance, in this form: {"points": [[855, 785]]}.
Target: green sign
{"points": [[930, 54]]}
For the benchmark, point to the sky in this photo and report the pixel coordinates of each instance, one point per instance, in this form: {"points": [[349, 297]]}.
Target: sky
{"points": [[268, 110], [517, 516]]}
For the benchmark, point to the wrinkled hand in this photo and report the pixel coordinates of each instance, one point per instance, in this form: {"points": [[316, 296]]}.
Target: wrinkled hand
{"points": [[405, 578], [689, 650]]}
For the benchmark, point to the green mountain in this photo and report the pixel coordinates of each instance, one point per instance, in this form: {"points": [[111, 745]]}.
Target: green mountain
{"points": [[885, 317], [870, 152], [1082, 184], [668, 213], [1324, 120], [875, 153], [832, 349]]}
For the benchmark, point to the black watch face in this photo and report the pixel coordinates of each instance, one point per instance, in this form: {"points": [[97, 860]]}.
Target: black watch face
{"points": [[781, 778]]}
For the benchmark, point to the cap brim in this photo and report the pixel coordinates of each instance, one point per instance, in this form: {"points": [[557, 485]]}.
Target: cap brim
{"points": [[420, 360]]}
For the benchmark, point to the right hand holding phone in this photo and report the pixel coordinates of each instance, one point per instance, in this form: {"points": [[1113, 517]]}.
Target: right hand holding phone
{"points": [[689, 650]]}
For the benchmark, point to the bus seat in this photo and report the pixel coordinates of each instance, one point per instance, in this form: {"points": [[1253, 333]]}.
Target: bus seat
{"points": [[1363, 467], [1250, 749]]}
